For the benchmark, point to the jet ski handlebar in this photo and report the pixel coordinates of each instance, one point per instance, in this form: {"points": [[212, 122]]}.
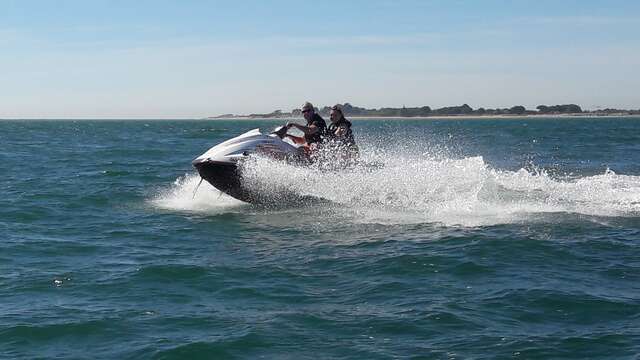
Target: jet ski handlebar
{"points": [[280, 131]]}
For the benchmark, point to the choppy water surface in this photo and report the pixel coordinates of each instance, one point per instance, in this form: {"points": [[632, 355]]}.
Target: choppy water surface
{"points": [[460, 239]]}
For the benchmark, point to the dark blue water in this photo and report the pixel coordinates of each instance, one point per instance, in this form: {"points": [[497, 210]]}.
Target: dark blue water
{"points": [[477, 239]]}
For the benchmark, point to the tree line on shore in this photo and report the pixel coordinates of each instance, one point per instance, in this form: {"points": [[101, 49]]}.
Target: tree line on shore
{"points": [[426, 111]]}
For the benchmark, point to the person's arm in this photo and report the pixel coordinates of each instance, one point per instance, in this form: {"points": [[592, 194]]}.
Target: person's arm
{"points": [[296, 139], [341, 131], [307, 130]]}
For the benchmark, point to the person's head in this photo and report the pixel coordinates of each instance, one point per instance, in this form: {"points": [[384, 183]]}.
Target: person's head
{"points": [[307, 110], [336, 114]]}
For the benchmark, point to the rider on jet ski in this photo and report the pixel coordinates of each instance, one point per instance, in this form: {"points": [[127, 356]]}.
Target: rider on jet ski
{"points": [[314, 131]]}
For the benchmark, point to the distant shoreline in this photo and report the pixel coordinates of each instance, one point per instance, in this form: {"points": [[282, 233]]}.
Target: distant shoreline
{"points": [[446, 117], [463, 111], [399, 118]]}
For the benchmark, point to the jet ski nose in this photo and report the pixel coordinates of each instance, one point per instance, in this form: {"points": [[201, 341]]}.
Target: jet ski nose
{"points": [[199, 161]]}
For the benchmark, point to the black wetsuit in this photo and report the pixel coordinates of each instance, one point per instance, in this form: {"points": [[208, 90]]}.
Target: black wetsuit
{"points": [[319, 135], [345, 139]]}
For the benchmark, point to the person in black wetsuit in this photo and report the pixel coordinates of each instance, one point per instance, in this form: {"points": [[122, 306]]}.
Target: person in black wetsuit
{"points": [[314, 131], [339, 136]]}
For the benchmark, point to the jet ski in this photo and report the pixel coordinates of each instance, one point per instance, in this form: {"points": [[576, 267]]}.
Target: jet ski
{"points": [[221, 166]]}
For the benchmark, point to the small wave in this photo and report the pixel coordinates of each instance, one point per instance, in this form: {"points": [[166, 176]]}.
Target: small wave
{"points": [[173, 272], [222, 347]]}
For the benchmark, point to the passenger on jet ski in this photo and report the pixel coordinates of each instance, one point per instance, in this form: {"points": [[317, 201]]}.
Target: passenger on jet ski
{"points": [[314, 131], [339, 131], [340, 145]]}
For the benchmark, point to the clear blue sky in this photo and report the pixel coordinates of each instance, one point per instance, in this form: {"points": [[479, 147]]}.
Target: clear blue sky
{"points": [[175, 59]]}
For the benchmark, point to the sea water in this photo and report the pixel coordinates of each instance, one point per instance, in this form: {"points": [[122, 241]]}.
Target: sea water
{"points": [[453, 239]]}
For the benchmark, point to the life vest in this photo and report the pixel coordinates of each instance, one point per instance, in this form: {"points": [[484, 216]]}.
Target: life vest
{"points": [[347, 138], [319, 135]]}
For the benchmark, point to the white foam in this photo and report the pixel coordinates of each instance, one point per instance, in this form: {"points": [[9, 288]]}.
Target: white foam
{"points": [[180, 197], [408, 189]]}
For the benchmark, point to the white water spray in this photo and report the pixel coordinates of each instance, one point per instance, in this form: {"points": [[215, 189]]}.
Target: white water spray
{"points": [[180, 196], [401, 189]]}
